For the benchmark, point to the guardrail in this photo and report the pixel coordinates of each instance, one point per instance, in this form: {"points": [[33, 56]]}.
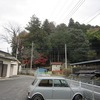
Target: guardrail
{"points": [[91, 91]]}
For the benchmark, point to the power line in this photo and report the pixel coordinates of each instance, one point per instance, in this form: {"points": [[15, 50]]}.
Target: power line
{"points": [[93, 18], [56, 6], [75, 8], [90, 16], [62, 7], [65, 9]]}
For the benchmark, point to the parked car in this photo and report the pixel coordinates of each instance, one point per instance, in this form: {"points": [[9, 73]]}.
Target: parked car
{"points": [[53, 88]]}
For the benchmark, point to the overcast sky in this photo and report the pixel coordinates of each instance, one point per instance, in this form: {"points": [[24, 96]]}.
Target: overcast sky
{"points": [[59, 11]]}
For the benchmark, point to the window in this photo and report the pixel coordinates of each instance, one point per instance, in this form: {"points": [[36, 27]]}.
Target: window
{"points": [[60, 83], [45, 83]]}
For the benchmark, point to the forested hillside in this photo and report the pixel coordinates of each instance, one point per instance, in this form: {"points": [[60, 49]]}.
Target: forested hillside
{"points": [[83, 42]]}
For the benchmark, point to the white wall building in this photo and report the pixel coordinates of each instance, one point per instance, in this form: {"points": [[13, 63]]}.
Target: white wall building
{"points": [[8, 65]]}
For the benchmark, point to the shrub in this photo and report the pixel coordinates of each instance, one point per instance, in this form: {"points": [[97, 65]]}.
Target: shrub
{"points": [[67, 71]]}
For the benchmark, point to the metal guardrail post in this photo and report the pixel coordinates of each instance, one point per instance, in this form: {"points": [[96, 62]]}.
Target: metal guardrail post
{"points": [[80, 84], [93, 89]]}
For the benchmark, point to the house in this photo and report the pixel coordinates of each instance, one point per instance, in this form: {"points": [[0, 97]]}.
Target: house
{"points": [[8, 65]]}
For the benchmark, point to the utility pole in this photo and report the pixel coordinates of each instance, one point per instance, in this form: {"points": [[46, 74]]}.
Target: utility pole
{"points": [[31, 57], [65, 56], [17, 39], [58, 55]]}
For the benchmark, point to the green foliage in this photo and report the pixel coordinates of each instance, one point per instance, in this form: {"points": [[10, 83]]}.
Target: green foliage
{"points": [[78, 45], [93, 34], [77, 25], [50, 40], [48, 27], [71, 23], [34, 25], [91, 54], [67, 72], [94, 38]]}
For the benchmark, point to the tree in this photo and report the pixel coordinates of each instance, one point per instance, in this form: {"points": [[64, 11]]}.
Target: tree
{"points": [[34, 28], [48, 27], [62, 27], [56, 43], [71, 23], [40, 61], [11, 37], [37, 34], [76, 41], [34, 25], [77, 25], [50, 40], [78, 45], [94, 38], [23, 47]]}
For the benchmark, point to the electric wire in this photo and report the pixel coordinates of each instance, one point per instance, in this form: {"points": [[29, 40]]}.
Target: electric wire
{"points": [[55, 8], [79, 3], [72, 12], [62, 8], [75, 8], [93, 18], [65, 9], [90, 16]]}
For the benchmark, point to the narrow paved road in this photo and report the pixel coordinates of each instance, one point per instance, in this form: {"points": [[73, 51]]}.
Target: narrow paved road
{"points": [[15, 88]]}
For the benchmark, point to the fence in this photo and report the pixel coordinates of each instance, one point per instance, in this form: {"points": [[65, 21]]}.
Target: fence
{"points": [[27, 71], [35, 72], [90, 91]]}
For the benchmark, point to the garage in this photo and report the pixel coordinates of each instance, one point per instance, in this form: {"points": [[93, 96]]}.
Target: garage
{"points": [[8, 65], [1, 65], [3, 69]]}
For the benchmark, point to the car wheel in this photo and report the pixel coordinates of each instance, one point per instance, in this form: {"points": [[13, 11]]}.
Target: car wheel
{"points": [[78, 97], [37, 97]]}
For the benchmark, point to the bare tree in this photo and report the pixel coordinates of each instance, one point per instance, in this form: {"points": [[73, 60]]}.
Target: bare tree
{"points": [[11, 36]]}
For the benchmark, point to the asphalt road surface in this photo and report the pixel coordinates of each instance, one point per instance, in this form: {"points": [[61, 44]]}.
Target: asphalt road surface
{"points": [[15, 88]]}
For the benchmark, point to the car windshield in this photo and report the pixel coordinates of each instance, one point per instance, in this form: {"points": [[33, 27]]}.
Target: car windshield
{"points": [[34, 81]]}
